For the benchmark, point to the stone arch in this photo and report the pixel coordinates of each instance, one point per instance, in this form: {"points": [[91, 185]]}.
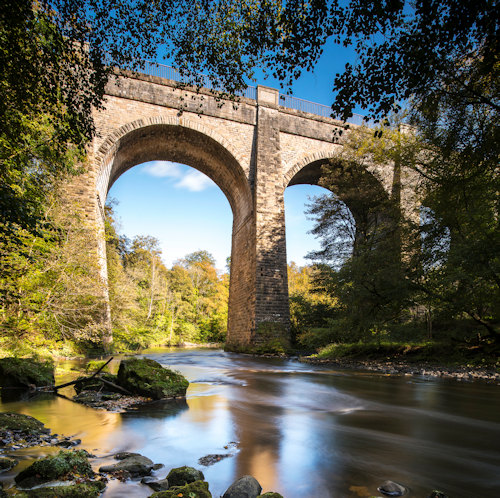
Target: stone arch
{"points": [[175, 139], [316, 158], [358, 186], [184, 141]]}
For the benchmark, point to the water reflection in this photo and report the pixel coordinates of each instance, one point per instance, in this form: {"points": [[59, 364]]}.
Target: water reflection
{"points": [[301, 430]]}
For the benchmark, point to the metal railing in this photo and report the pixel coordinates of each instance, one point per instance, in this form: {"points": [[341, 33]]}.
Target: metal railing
{"points": [[201, 80], [325, 111], [288, 101]]}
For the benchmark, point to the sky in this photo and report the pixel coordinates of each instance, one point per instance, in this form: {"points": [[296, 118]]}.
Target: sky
{"points": [[187, 212]]}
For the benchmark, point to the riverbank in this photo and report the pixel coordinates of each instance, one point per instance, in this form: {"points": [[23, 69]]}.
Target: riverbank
{"points": [[462, 363], [401, 368]]}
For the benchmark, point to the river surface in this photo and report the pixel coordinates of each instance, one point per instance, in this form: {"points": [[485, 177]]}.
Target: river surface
{"points": [[301, 430]]}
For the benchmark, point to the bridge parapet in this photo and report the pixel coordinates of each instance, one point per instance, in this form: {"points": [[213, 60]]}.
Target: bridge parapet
{"points": [[201, 81]]}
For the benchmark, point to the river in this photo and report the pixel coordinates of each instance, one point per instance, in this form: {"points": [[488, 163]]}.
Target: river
{"points": [[301, 430]]}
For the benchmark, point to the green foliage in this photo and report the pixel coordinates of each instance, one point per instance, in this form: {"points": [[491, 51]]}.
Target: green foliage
{"points": [[311, 305], [431, 352], [154, 306], [52, 291]]}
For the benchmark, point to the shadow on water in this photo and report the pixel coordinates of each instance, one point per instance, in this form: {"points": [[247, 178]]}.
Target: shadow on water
{"points": [[162, 409]]}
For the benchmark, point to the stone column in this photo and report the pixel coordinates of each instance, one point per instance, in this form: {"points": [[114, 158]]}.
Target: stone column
{"points": [[79, 195], [272, 313]]}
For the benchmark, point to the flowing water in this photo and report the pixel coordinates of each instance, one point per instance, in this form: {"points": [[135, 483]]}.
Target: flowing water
{"points": [[303, 431]]}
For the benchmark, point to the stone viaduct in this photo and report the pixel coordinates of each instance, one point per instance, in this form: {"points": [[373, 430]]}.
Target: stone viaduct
{"points": [[252, 151]]}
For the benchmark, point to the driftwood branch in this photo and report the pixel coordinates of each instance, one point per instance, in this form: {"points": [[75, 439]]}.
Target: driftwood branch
{"points": [[55, 388], [114, 386]]}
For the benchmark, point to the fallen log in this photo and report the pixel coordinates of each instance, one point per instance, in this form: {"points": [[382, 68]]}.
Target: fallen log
{"points": [[115, 386]]}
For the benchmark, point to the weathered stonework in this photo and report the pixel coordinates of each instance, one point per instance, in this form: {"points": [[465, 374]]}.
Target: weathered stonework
{"points": [[252, 151]]}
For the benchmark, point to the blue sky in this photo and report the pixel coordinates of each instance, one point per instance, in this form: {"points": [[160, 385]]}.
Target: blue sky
{"points": [[187, 212]]}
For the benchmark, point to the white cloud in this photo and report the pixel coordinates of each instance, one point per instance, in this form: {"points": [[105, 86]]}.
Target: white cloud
{"points": [[163, 169], [194, 181], [184, 176]]}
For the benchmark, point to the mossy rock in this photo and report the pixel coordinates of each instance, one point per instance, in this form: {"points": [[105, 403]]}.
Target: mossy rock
{"points": [[96, 384], [196, 489], [25, 372], [18, 422], [83, 490], [147, 377], [270, 494], [64, 466], [184, 475], [7, 463]]}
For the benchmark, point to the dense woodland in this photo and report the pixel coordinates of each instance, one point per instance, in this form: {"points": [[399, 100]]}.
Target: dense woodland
{"points": [[427, 72]]}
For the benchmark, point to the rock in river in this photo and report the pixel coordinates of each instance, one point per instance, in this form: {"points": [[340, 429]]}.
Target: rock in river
{"points": [[63, 466], [245, 487], [196, 489], [391, 488], [80, 490], [184, 475], [156, 484], [25, 373], [7, 463], [147, 377], [133, 463]]}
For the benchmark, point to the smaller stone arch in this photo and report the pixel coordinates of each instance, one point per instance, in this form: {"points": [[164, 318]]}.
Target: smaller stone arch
{"points": [[355, 184], [306, 161]]}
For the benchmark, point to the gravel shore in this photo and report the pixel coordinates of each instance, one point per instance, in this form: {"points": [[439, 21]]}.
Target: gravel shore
{"points": [[397, 367]]}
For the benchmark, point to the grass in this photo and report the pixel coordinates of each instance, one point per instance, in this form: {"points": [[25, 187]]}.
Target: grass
{"points": [[434, 353]]}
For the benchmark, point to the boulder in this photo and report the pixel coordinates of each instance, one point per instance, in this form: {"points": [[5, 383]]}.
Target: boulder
{"points": [[81, 490], [184, 475], [25, 424], [25, 373], [156, 484], [245, 487], [270, 494], [196, 489], [133, 463], [7, 463], [147, 377], [391, 488], [63, 466]]}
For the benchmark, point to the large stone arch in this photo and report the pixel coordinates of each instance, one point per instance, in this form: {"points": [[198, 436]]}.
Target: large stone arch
{"points": [[187, 142], [174, 139]]}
